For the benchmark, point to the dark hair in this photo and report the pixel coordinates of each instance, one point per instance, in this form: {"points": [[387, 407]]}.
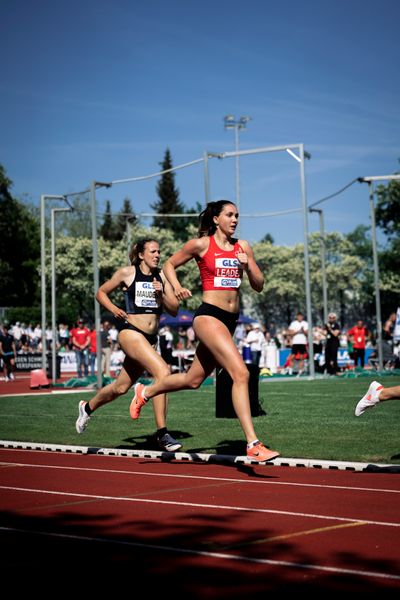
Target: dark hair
{"points": [[206, 217], [138, 248]]}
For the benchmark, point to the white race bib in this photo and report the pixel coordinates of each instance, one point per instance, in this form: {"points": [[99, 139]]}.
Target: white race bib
{"points": [[145, 295], [227, 273]]}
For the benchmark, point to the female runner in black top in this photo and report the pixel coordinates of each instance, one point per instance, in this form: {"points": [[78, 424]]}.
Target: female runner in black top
{"points": [[147, 293]]}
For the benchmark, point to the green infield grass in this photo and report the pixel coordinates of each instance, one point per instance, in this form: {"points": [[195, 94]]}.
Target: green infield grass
{"points": [[304, 419]]}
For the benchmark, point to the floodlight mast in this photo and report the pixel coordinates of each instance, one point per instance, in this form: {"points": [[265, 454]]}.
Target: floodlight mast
{"points": [[53, 292], [43, 199], [236, 124], [303, 155], [94, 185], [206, 177]]}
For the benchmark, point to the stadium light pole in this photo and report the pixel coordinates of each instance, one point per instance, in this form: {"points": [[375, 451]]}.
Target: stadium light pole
{"points": [[206, 177], [323, 268], [129, 219], [93, 202], [237, 124], [53, 291], [376, 275], [300, 159], [43, 199]]}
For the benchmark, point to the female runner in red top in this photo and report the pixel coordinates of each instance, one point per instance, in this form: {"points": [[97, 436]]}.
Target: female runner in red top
{"points": [[222, 260]]}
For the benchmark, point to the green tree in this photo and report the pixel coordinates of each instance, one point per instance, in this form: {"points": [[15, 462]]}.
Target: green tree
{"points": [[388, 208], [169, 202], [346, 274], [284, 288], [114, 227], [74, 262], [19, 249], [78, 222], [361, 247], [125, 215], [267, 238], [106, 229], [389, 269], [360, 240], [387, 218]]}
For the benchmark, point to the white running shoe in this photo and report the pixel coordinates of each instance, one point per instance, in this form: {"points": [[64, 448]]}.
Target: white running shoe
{"points": [[370, 399], [83, 418]]}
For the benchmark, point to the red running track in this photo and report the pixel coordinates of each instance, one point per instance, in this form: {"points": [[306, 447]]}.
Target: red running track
{"points": [[86, 522]]}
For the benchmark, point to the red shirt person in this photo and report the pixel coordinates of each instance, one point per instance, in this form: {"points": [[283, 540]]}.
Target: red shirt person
{"points": [[358, 336], [80, 337]]}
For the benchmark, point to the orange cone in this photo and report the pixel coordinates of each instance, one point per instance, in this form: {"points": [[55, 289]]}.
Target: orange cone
{"points": [[38, 379]]}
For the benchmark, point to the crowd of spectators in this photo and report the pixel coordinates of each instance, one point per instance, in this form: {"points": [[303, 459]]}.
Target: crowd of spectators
{"points": [[251, 338], [355, 340], [28, 338]]}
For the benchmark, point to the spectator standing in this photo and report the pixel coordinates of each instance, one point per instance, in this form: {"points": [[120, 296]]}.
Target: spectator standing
{"points": [[181, 343], [30, 336], [255, 338], [358, 336], [332, 329], [298, 330], [318, 335], [37, 336], [16, 331], [49, 338], [80, 337], [63, 335], [113, 333], [106, 343], [388, 329], [239, 335], [166, 341], [190, 338], [24, 342], [92, 349], [8, 353]]}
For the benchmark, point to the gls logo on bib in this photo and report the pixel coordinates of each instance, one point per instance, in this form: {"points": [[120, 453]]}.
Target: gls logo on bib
{"points": [[227, 273], [145, 295]]}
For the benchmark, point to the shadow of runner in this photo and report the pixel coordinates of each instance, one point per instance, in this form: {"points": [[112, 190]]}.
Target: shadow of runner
{"points": [[72, 552]]}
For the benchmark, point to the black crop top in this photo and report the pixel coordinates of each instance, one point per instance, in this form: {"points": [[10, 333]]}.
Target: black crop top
{"points": [[140, 297]]}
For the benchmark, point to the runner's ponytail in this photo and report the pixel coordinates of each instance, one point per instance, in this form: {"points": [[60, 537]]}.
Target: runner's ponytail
{"points": [[206, 217]]}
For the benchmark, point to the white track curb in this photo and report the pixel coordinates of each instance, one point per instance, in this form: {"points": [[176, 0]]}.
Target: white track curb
{"points": [[198, 457]]}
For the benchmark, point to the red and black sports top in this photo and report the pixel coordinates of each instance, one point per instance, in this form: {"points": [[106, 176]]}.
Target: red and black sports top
{"points": [[220, 269]]}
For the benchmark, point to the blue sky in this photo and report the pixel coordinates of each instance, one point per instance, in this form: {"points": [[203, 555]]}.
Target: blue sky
{"points": [[97, 90]]}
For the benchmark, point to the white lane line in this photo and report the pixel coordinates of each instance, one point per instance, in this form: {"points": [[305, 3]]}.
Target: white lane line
{"points": [[202, 553], [198, 505], [200, 477]]}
